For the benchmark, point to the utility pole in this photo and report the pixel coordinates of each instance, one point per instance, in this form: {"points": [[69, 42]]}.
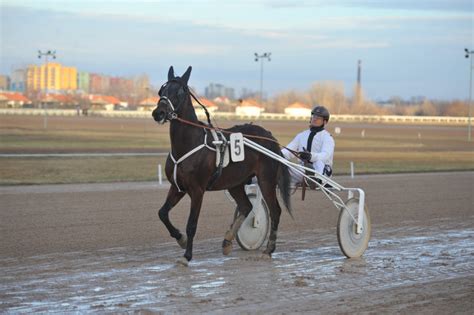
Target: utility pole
{"points": [[469, 53], [46, 55], [359, 86], [261, 58]]}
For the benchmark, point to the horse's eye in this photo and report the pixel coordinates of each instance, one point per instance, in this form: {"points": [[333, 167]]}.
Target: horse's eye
{"points": [[161, 89], [180, 92]]}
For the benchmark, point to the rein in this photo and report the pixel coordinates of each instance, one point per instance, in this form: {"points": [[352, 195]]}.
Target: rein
{"points": [[174, 116], [184, 121], [203, 107]]}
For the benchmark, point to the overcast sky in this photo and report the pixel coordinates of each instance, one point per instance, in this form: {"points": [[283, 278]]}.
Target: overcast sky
{"points": [[408, 48]]}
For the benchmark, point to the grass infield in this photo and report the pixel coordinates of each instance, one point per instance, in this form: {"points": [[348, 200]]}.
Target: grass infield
{"points": [[374, 148]]}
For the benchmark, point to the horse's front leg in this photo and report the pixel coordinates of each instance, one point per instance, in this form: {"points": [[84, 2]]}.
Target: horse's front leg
{"points": [[191, 227], [174, 196]]}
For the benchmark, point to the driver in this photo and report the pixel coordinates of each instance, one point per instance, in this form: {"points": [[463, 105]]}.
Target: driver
{"points": [[314, 145]]}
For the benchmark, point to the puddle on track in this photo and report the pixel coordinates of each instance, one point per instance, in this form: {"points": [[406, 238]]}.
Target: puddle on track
{"points": [[307, 263]]}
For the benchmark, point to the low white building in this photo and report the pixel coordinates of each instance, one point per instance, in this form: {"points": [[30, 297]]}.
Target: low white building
{"points": [[221, 100], [13, 100], [211, 106], [103, 102], [148, 104], [249, 107], [298, 109]]}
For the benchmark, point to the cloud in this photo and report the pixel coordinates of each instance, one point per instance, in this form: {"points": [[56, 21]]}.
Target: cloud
{"points": [[348, 44], [308, 39], [407, 5], [196, 49]]}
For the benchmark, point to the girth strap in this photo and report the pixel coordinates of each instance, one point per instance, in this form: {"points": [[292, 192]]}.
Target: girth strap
{"points": [[184, 157], [221, 143]]}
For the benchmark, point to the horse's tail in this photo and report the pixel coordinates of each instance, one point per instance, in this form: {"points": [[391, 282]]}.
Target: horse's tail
{"points": [[284, 181]]}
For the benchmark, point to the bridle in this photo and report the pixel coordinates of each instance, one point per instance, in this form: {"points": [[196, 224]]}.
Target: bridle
{"points": [[170, 114], [171, 109]]}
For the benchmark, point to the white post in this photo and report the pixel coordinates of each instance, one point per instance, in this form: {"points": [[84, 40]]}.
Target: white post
{"points": [[352, 169], [470, 103], [160, 179]]}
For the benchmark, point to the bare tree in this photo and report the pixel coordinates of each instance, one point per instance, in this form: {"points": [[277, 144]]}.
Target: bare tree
{"points": [[330, 94], [456, 108]]}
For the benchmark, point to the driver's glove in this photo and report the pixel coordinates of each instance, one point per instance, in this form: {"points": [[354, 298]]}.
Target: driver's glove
{"points": [[305, 155]]}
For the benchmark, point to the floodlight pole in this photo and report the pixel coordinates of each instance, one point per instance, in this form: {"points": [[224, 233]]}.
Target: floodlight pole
{"points": [[46, 54], [261, 58], [469, 53]]}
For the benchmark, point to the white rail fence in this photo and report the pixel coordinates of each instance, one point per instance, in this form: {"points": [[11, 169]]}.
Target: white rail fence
{"points": [[389, 119]]}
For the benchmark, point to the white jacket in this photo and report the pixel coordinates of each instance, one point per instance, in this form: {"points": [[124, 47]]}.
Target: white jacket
{"points": [[322, 149]]}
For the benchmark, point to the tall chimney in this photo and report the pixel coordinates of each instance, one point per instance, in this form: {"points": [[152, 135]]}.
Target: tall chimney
{"points": [[358, 71]]}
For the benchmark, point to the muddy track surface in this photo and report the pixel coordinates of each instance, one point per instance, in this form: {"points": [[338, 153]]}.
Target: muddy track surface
{"points": [[100, 248]]}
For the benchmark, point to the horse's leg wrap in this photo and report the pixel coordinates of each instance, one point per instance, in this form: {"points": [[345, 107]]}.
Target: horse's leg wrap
{"points": [[182, 261], [230, 234], [183, 241], [226, 247], [271, 245]]}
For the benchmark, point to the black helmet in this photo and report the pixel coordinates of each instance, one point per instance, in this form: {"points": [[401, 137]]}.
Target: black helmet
{"points": [[320, 111]]}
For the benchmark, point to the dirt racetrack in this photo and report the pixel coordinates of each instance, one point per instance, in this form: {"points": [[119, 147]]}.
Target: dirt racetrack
{"points": [[101, 248]]}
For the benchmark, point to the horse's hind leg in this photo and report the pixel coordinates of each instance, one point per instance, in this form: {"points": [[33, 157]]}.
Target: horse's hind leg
{"points": [[269, 194], [244, 206], [174, 196]]}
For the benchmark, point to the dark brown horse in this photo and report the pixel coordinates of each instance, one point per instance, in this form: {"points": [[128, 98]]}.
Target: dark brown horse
{"points": [[193, 174]]}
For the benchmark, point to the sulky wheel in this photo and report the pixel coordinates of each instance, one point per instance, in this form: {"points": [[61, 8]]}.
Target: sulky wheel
{"points": [[353, 244], [254, 230]]}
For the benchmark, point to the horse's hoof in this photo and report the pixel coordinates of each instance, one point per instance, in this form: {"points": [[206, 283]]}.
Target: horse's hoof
{"points": [[227, 250], [183, 241], [266, 256], [182, 261], [226, 247]]}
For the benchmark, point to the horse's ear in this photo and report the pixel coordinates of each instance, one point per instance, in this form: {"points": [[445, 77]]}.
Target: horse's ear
{"points": [[186, 75], [171, 74]]}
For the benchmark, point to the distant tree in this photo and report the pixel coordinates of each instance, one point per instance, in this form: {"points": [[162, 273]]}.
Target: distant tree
{"points": [[426, 109], [411, 110], [282, 100], [456, 108], [330, 94]]}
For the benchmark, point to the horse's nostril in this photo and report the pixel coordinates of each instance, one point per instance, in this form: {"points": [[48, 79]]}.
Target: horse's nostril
{"points": [[158, 115]]}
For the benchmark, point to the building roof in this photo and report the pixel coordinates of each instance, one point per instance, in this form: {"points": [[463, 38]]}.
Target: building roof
{"points": [[250, 103], [103, 99], [13, 96], [57, 98], [299, 105], [151, 101], [221, 99], [204, 101]]}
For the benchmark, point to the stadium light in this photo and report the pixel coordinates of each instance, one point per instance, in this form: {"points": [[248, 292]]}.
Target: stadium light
{"points": [[46, 55], [469, 53], [261, 58]]}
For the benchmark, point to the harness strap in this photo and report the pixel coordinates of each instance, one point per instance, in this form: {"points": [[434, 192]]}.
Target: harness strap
{"points": [[184, 121], [221, 143], [184, 157]]}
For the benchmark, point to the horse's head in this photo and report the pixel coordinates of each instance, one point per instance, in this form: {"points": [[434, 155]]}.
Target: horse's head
{"points": [[173, 95]]}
